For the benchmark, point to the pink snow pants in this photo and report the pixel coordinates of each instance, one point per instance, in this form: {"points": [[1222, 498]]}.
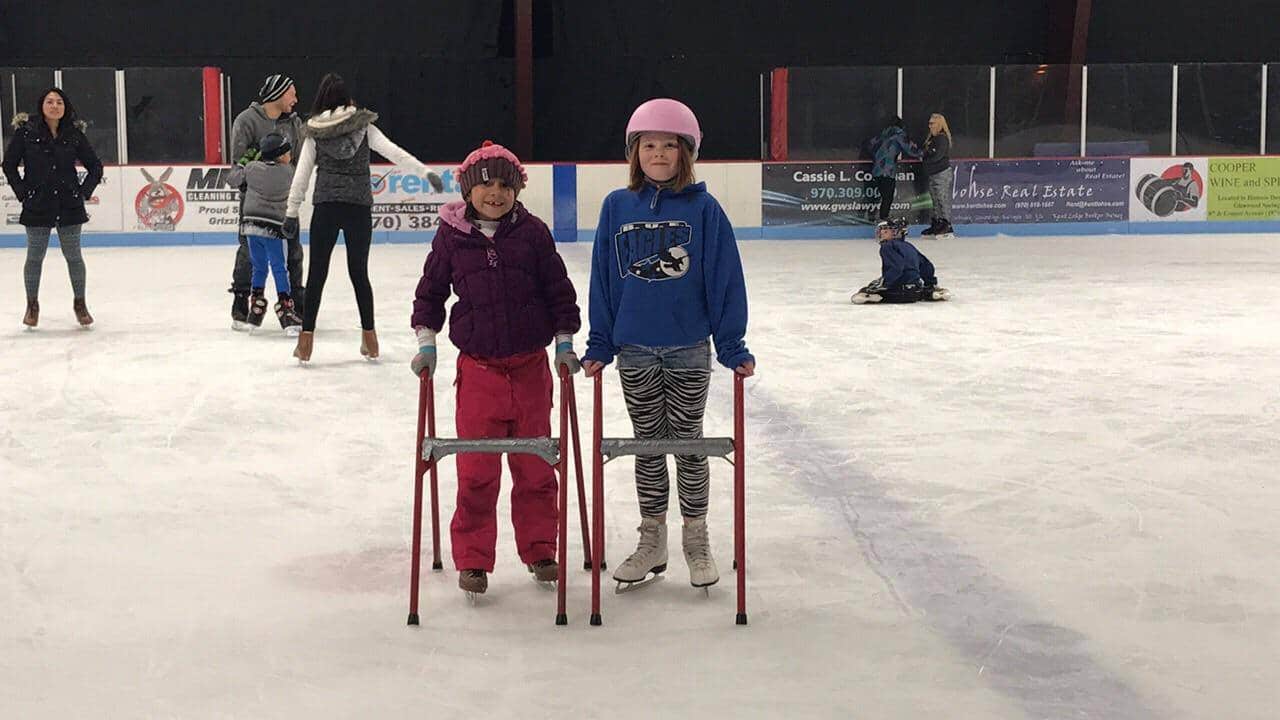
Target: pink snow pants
{"points": [[503, 398]]}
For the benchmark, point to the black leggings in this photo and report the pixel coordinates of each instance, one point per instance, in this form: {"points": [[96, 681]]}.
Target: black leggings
{"points": [[886, 186], [356, 224]]}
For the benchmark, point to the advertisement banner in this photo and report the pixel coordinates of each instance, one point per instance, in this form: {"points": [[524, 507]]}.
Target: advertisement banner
{"points": [[837, 194], [1168, 189], [1244, 188], [403, 201], [1040, 191], [180, 198], [103, 208]]}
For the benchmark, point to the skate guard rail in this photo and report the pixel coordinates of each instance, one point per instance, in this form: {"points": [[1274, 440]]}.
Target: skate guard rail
{"points": [[430, 450], [605, 449]]}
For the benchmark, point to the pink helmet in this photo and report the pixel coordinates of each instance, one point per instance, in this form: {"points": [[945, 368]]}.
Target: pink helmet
{"points": [[665, 115]]}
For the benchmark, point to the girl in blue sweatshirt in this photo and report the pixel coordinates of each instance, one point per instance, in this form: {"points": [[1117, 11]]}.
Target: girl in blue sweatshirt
{"points": [[665, 278]]}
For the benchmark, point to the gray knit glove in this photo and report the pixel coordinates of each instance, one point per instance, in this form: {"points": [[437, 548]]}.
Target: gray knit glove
{"points": [[565, 356], [425, 360]]}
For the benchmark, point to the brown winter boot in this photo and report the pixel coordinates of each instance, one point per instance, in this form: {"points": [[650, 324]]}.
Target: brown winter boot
{"points": [[82, 313], [303, 350], [545, 570], [32, 318], [369, 344], [473, 581]]}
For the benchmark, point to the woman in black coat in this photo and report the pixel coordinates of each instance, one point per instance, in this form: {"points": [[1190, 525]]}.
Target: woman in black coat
{"points": [[47, 144]]}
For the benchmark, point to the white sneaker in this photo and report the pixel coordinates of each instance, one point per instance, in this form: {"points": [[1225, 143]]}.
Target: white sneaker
{"points": [[650, 555], [697, 552]]}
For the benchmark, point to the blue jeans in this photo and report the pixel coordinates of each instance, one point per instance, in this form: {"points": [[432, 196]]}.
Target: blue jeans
{"points": [[690, 357], [264, 251]]}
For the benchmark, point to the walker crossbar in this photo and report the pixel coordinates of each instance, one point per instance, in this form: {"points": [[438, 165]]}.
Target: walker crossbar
{"points": [[612, 448], [546, 448]]}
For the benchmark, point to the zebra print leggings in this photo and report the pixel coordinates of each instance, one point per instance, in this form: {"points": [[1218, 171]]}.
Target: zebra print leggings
{"points": [[667, 398]]}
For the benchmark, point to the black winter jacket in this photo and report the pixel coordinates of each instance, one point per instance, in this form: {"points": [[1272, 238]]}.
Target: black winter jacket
{"points": [[937, 154], [49, 188]]}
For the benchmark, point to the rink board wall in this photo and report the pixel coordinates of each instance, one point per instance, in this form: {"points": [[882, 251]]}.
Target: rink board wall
{"points": [[195, 205]]}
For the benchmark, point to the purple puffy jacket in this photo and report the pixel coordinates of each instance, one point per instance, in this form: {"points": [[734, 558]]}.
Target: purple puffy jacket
{"points": [[514, 294]]}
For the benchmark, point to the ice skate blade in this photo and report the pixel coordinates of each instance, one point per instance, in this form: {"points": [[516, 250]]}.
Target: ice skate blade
{"points": [[863, 298], [293, 331], [28, 328], [626, 587], [705, 586], [471, 597], [548, 585], [241, 326]]}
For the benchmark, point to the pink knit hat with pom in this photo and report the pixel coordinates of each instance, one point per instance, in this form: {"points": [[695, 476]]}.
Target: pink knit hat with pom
{"points": [[488, 162]]}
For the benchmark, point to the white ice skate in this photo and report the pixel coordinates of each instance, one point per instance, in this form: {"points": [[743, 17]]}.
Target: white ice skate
{"points": [[697, 552], [649, 561], [938, 294]]}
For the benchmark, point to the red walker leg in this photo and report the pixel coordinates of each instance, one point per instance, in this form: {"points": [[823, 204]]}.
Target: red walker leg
{"points": [[582, 490], [597, 498], [566, 391], [419, 466], [739, 497], [435, 494]]}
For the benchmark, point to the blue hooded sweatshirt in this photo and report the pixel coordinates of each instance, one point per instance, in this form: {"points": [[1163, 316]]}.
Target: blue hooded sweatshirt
{"points": [[902, 264], [665, 272]]}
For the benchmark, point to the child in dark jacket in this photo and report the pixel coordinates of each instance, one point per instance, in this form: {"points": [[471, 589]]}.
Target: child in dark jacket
{"points": [[514, 298], [906, 275]]}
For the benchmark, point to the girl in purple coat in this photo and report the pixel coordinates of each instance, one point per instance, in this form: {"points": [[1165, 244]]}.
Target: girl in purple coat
{"points": [[514, 299]]}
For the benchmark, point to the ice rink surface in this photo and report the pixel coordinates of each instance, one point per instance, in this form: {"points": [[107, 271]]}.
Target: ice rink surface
{"points": [[1054, 496]]}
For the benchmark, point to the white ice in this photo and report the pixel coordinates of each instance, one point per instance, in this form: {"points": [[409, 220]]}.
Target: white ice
{"points": [[1052, 497]]}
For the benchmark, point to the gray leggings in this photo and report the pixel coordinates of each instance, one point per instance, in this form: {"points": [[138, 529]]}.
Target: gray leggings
{"points": [[940, 192], [38, 244]]}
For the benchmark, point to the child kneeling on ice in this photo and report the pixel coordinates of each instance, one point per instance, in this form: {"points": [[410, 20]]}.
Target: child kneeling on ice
{"points": [[906, 275]]}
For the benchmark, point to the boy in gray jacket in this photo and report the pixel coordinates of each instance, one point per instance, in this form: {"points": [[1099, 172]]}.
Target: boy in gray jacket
{"points": [[266, 196]]}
